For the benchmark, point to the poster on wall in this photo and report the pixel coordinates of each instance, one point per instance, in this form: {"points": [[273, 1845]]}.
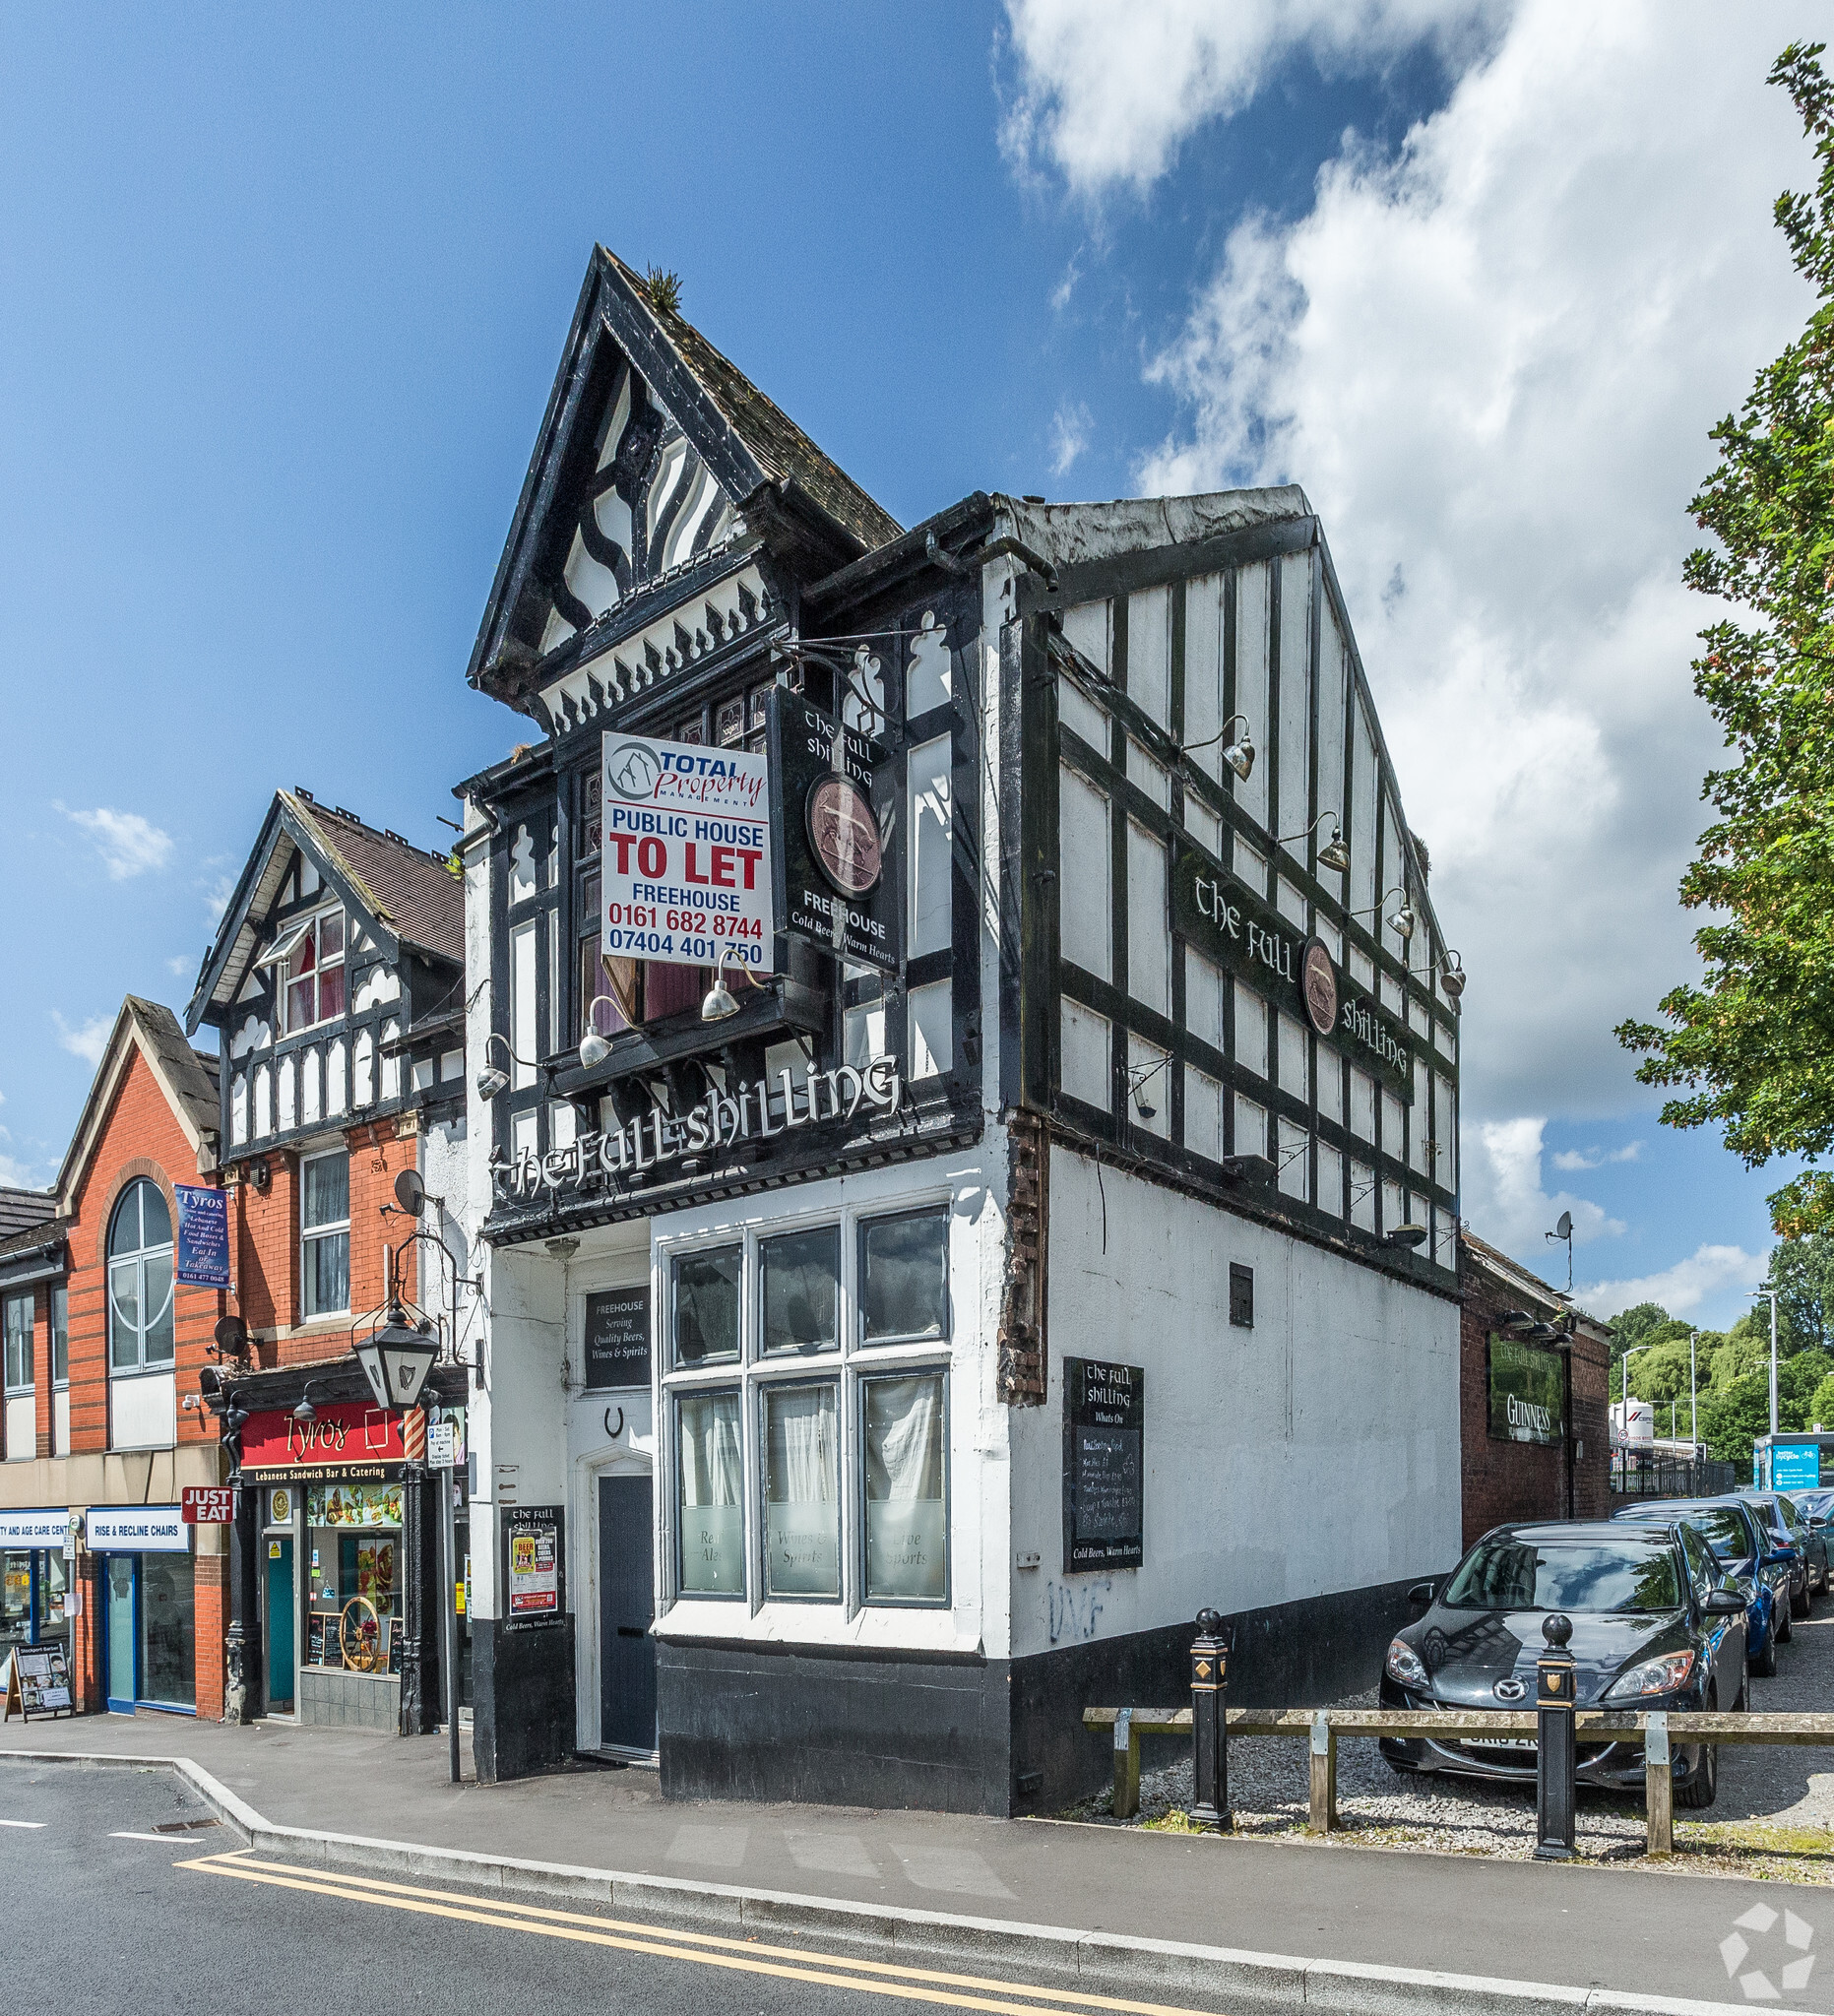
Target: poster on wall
{"points": [[533, 1581], [1104, 1464], [617, 1337], [1528, 1392], [686, 853], [835, 813], [203, 1235]]}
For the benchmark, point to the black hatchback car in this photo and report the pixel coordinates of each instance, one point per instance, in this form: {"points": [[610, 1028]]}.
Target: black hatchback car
{"points": [[1656, 1624]]}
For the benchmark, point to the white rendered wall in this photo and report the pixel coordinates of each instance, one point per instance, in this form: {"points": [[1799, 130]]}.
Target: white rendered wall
{"points": [[1317, 1452]]}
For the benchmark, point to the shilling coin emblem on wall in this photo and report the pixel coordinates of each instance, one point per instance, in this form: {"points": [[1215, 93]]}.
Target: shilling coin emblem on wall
{"points": [[843, 833], [1318, 983]]}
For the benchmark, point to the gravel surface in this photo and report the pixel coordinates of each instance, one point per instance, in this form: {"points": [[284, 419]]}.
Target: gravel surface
{"points": [[1774, 1815]]}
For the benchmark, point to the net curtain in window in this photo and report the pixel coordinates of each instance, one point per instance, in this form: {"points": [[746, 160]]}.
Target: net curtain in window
{"points": [[711, 1511], [801, 1514], [904, 1508]]}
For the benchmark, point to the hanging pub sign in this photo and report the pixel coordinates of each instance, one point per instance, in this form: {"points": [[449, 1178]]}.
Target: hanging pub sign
{"points": [[1104, 1464], [1228, 922], [686, 853], [203, 1235], [617, 1337], [835, 812]]}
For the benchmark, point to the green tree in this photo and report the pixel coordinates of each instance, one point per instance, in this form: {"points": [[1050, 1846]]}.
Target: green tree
{"points": [[1746, 1048], [1802, 1271], [1736, 1409], [1822, 1405]]}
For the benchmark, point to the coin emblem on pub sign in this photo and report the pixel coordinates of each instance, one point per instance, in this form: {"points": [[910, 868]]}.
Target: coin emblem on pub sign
{"points": [[844, 834], [1318, 982]]}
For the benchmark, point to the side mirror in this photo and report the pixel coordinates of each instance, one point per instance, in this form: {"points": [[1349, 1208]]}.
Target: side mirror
{"points": [[1420, 1596], [1723, 1602]]}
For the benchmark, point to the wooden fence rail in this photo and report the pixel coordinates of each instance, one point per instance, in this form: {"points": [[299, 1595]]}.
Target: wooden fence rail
{"points": [[1322, 1727]]}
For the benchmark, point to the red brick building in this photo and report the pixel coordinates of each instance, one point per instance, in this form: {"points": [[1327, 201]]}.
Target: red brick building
{"points": [[1531, 1399]]}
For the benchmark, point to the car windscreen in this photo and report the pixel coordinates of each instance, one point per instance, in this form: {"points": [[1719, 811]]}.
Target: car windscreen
{"points": [[1510, 1574], [1724, 1531]]}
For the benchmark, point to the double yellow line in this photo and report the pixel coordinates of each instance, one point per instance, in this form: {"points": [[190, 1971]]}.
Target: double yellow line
{"points": [[700, 1949]]}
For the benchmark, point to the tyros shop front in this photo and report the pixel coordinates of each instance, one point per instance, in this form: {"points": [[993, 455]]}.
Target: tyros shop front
{"points": [[332, 1567]]}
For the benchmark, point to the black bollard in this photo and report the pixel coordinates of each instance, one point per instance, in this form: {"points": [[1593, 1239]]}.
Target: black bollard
{"points": [[1554, 1765], [1209, 1708]]}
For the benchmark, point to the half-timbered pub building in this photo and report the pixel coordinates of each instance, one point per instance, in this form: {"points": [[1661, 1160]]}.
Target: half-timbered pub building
{"points": [[917, 1289]]}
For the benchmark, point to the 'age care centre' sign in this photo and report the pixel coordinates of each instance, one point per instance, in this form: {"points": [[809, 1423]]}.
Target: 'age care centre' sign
{"points": [[686, 859]]}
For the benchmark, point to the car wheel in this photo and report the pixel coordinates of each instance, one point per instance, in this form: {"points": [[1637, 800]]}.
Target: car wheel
{"points": [[1784, 1630], [1764, 1666], [1703, 1788], [1800, 1605]]}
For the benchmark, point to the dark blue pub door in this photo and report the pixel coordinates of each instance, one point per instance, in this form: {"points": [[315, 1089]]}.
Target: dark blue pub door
{"points": [[626, 1609]]}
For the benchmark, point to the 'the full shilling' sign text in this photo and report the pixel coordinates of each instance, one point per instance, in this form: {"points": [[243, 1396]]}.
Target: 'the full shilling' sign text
{"points": [[1224, 918]]}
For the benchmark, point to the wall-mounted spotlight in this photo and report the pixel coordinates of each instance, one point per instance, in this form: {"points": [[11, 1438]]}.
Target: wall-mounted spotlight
{"points": [[594, 1047], [493, 1079], [1237, 754], [1404, 1236], [721, 1001], [1335, 854], [1402, 920], [305, 1414]]}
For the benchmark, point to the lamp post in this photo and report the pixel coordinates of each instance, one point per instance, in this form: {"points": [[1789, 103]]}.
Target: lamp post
{"points": [[1769, 1293], [1693, 1394]]}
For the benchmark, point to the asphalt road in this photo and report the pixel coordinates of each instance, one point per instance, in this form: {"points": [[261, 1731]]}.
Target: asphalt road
{"points": [[126, 1896]]}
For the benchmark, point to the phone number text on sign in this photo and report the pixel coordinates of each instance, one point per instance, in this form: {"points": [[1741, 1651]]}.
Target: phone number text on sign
{"points": [[686, 858]]}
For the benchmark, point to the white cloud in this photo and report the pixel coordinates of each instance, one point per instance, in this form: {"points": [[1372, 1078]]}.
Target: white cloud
{"points": [[1492, 362], [1106, 93], [18, 1175], [1571, 1158], [180, 966], [129, 845], [1503, 1200], [1681, 1289], [88, 1040], [1069, 430], [216, 897]]}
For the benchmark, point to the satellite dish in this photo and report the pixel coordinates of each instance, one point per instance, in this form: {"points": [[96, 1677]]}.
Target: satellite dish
{"points": [[1564, 1231], [411, 1192], [232, 1335]]}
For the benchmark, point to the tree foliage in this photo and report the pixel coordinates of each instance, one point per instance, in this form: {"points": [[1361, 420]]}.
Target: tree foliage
{"points": [[1751, 1047]]}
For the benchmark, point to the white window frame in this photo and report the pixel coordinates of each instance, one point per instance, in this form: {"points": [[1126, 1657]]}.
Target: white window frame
{"points": [[331, 1228], [60, 1291], [751, 1373], [279, 957], [19, 1387], [139, 1255]]}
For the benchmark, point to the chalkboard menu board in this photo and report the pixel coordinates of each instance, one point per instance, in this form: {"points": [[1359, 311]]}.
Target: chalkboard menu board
{"points": [[617, 1337], [1104, 1464]]}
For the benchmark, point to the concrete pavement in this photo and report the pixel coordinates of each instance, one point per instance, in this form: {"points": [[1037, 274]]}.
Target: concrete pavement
{"points": [[1636, 1934]]}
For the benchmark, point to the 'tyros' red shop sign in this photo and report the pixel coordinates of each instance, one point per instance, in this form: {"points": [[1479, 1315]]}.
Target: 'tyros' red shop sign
{"points": [[348, 1439]]}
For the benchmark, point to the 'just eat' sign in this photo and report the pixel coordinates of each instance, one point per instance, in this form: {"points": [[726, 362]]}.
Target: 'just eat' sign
{"points": [[686, 861]]}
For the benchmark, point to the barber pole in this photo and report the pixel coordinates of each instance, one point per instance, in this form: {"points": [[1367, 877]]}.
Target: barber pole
{"points": [[413, 1434]]}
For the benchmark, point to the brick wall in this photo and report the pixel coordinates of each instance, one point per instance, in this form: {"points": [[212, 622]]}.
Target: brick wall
{"points": [[1504, 1481], [140, 1137]]}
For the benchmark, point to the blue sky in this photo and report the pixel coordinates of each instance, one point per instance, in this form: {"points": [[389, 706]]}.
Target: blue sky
{"points": [[282, 298]]}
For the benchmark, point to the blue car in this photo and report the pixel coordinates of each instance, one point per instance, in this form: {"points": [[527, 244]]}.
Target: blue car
{"points": [[1731, 1527]]}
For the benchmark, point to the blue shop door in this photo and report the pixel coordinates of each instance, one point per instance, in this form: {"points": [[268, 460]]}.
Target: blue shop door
{"points": [[278, 1634], [626, 1610], [122, 1637]]}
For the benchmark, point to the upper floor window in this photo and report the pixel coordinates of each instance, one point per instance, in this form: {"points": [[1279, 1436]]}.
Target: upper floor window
{"points": [[310, 954], [140, 1278], [60, 1337], [325, 1233], [18, 1322]]}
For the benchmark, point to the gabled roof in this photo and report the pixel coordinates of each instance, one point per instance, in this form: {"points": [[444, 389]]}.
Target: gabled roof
{"points": [[187, 1080], [22, 1209], [404, 895], [1520, 1283], [766, 466]]}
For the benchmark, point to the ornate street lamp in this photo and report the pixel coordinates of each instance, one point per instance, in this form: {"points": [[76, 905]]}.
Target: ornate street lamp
{"points": [[396, 1359]]}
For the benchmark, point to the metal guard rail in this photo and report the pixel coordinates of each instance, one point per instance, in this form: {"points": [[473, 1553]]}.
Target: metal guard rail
{"points": [[1656, 1731]]}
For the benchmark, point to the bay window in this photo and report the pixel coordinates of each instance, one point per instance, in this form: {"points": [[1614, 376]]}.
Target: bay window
{"points": [[807, 1404]]}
